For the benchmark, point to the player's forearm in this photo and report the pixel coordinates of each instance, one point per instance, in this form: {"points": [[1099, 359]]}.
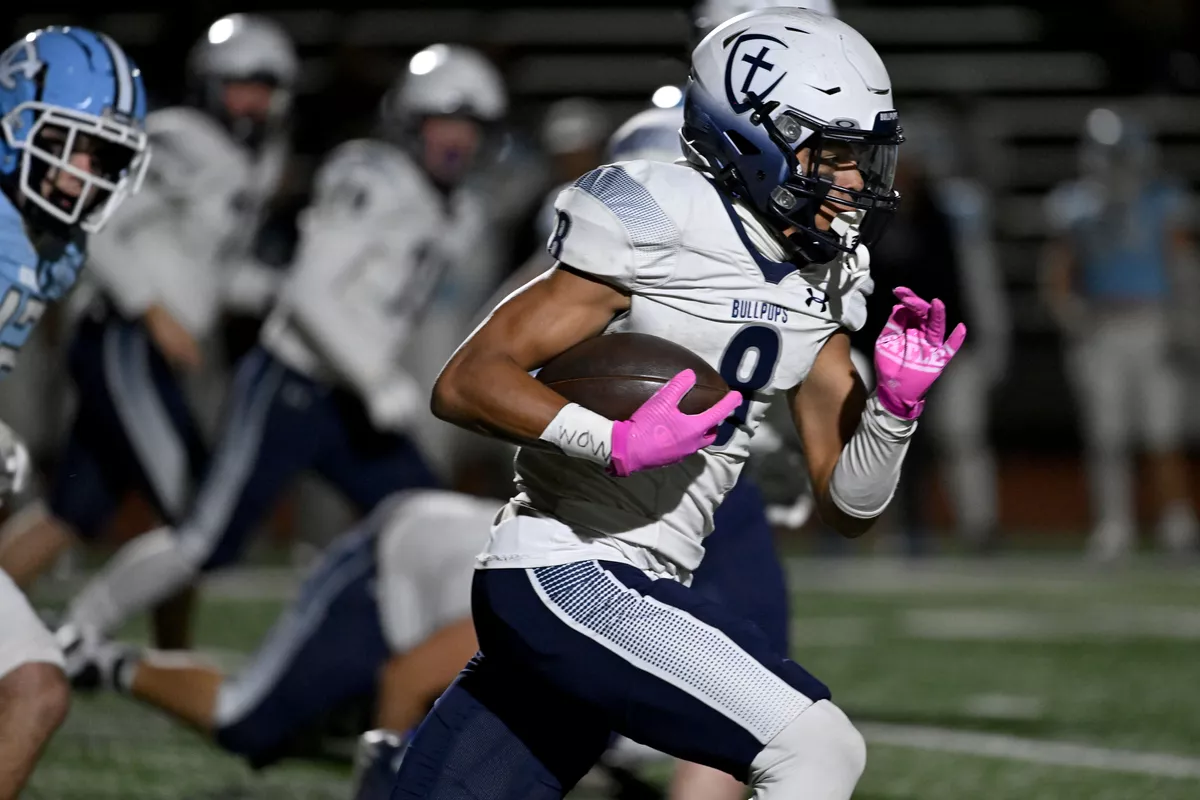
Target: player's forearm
{"points": [[490, 393], [864, 479]]}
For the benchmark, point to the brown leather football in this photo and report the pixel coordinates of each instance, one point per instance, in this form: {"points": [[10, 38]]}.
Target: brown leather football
{"points": [[614, 374]]}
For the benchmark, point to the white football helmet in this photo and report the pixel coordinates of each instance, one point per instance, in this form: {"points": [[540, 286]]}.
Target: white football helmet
{"points": [[1117, 147], [573, 124], [446, 79], [765, 85], [650, 135], [244, 47], [708, 14]]}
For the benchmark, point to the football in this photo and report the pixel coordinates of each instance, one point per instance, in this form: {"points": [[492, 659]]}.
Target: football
{"points": [[614, 375]]}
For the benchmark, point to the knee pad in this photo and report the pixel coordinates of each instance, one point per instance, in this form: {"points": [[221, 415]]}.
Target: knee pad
{"points": [[819, 755]]}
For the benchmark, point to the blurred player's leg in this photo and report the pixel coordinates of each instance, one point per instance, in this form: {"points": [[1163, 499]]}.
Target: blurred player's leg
{"points": [[132, 430], [1161, 402], [959, 421], [33, 702], [407, 688], [270, 434], [326, 648], [367, 464], [1101, 368], [33, 690], [31, 540], [181, 684], [172, 620], [697, 782], [413, 680]]}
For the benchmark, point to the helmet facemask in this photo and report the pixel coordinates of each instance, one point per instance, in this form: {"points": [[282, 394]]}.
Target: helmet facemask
{"points": [[811, 191], [118, 152]]}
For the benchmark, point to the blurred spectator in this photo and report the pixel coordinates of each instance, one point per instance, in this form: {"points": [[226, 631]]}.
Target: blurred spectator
{"points": [[1107, 279], [940, 245]]}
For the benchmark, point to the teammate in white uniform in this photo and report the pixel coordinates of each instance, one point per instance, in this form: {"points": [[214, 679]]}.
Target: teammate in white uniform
{"points": [[386, 613], [585, 623], [72, 148], [324, 391], [162, 266]]}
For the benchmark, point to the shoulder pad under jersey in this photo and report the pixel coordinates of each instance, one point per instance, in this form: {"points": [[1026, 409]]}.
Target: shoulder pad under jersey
{"points": [[625, 222]]}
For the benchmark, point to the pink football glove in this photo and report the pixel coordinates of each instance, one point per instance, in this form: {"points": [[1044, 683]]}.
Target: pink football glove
{"points": [[911, 353], [659, 433]]}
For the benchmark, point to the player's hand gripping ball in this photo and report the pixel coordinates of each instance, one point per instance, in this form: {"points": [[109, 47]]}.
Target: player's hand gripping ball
{"points": [[666, 401]]}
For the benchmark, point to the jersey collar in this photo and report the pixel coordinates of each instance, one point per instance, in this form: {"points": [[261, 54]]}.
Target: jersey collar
{"points": [[773, 271]]}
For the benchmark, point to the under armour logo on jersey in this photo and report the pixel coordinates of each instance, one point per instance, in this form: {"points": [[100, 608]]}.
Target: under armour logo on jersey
{"points": [[20, 59], [812, 298], [750, 66]]}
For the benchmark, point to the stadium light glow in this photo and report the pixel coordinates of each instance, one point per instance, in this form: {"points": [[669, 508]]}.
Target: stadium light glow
{"points": [[666, 97], [427, 60], [220, 31]]}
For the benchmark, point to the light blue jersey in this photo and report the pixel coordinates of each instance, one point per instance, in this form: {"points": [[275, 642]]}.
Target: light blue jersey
{"points": [[28, 280], [1122, 248]]}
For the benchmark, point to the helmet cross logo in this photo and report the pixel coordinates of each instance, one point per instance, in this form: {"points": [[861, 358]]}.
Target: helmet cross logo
{"points": [[738, 100]]}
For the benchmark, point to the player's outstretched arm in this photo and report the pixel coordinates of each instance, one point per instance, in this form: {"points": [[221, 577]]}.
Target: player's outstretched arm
{"points": [[827, 408], [856, 443], [486, 385]]}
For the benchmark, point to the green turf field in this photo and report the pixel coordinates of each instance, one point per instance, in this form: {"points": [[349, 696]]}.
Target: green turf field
{"points": [[1030, 679]]}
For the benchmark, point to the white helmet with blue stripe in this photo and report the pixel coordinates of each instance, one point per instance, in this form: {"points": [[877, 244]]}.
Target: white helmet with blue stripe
{"points": [[708, 14], [66, 93], [244, 48], [766, 86], [650, 135]]}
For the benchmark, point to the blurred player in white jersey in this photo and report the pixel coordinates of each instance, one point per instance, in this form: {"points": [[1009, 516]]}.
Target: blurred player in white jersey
{"points": [[1121, 231], [742, 255], [325, 391], [72, 149], [384, 617], [162, 265]]}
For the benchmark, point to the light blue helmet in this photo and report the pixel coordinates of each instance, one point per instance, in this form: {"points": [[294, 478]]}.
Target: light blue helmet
{"points": [[64, 92]]}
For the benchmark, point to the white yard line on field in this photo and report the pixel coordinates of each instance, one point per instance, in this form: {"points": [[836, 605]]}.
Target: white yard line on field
{"points": [[1044, 575], [1032, 751]]}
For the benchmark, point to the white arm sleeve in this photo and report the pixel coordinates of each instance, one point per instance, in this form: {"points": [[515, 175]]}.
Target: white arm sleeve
{"points": [[610, 225], [868, 469]]}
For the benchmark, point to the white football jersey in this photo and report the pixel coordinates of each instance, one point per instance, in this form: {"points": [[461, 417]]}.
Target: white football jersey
{"points": [[696, 268], [374, 246], [426, 556], [174, 242]]}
